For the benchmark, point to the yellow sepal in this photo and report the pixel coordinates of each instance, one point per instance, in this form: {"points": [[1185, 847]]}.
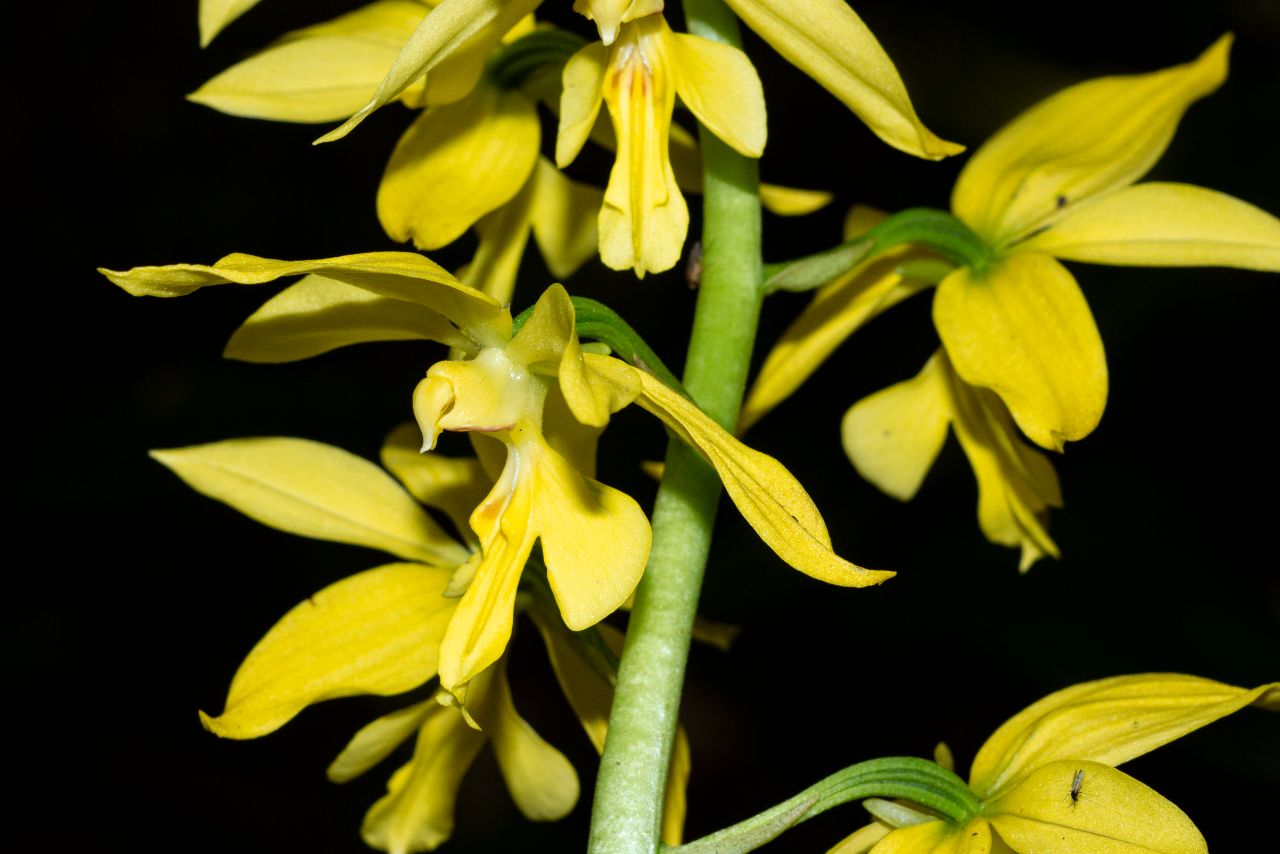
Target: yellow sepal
{"points": [[720, 86], [314, 490], [1022, 329], [455, 485], [1166, 225], [320, 74], [377, 740], [1112, 813], [1109, 720], [1084, 141], [319, 314], [377, 632], [457, 162], [938, 837], [216, 14], [828, 41]]}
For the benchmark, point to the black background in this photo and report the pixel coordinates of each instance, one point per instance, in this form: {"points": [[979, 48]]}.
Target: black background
{"points": [[136, 598]]}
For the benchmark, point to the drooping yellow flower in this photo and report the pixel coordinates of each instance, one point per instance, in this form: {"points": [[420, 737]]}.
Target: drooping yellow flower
{"points": [[644, 218], [893, 437], [1047, 779], [826, 40], [544, 398], [379, 632], [1055, 183]]}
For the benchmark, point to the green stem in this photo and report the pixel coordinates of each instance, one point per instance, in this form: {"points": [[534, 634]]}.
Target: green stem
{"points": [[627, 813]]}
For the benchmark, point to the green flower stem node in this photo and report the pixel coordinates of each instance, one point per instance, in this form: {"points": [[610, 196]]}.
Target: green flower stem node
{"points": [[931, 229], [511, 66], [910, 778]]}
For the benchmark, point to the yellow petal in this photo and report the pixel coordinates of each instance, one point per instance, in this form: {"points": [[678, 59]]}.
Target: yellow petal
{"points": [[1112, 814], [829, 42], [1016, 484], [893, 436], [448, 28], [314, 490], [456, 163], [564, 219], [1023, 330], [1110, 720], [836, 312], [318, 314], [1166, 225], [771, 500], [455, 485], [938, 837], [378, 740], [581, 93], [320, 74], [399, 275], [861, 840], [376, 632], [416, 814], [1087, 140], [216, 14], [675, 799], [541, 781], [595, 540], [481, 626], [720, 86], [644, 219], [792, 201], [502, 234], [610, 14]]}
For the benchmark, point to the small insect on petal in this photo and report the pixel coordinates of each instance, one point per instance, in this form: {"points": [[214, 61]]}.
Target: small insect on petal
{"points": [[1075, 785]]}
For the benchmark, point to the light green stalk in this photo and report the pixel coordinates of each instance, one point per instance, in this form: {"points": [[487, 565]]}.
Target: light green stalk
{"points": [[627, 813]]}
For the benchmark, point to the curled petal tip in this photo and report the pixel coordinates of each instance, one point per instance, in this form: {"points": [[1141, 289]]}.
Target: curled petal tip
{"points": [[432, 398]]}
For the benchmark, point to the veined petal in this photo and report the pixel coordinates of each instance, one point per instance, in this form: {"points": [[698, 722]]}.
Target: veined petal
{"points": [[610, 14], [1022, 329], [448, 27], [1113, 814], [377, 740], [456, 485], [481, 626], [893, 436], [1166, 225], [582, 92], [644, 219], [768, 496], [541, 781], [314, 490], [216, 14], [1088, 140], [405, 276], [720, 86], [320, 74], [564, 219], [456, 163], [828, 41], [938, 837], [595, 540], [1109, 721], [1016, 484], [836, 312], [319, 314], [416, 814], [376, 632]]}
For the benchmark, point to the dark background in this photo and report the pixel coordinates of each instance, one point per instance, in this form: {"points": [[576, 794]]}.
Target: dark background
{"points": [[136, 598]]}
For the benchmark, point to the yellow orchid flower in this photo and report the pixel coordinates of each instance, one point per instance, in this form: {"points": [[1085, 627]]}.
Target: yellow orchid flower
{"points": [[893, 437], [544, 398], [826, 40], [1055, 183], [379, 632], [644, 218], [1047, 782]]}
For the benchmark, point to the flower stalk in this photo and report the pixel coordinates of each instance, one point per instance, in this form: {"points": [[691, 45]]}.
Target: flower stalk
{"points": [[627, 813]]}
